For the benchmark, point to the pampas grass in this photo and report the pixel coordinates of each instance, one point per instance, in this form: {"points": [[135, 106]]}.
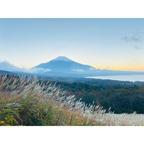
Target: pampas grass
{"points": [[28, 102]]}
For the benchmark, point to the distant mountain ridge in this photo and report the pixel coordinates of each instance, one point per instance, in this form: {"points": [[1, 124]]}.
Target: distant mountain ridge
{"points": [[6, 66], [63, 67]]}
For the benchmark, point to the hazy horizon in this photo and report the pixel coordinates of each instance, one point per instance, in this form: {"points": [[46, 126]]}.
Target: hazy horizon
{"points": [[115, 44]]}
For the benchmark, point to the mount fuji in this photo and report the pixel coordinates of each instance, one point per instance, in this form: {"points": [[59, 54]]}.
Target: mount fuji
{"points": [[63, 66]]}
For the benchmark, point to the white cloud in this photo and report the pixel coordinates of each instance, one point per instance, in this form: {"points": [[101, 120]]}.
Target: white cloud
{"points": [[36, 70]]}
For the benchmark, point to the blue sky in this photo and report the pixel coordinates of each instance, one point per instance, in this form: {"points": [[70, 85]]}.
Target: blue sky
{"points": [[116, 44]]}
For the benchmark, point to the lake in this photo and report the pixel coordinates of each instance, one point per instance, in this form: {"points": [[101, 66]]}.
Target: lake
{"points": [[132, 78]]}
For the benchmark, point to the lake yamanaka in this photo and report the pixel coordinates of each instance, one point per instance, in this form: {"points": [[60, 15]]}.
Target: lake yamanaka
{"points": [[132, 78]]}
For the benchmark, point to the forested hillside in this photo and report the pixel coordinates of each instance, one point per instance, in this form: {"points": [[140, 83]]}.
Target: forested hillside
{"points": [[122, 97]]}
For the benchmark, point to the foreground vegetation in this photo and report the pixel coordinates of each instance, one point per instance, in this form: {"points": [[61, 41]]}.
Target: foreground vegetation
{"points": [[28, 102]]}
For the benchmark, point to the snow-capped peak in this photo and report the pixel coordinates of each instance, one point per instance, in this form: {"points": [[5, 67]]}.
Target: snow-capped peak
{"points": [[61, 58]]}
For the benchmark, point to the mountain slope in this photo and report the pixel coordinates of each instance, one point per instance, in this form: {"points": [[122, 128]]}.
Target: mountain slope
{"points": [[6, 66]]}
